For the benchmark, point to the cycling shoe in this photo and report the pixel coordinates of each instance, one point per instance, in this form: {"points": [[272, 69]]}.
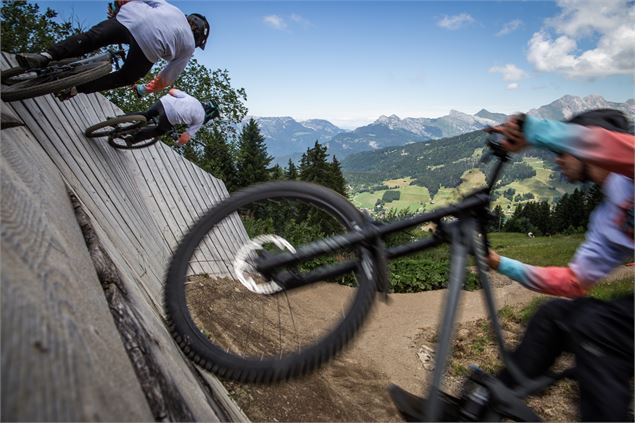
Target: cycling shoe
{"points": [[32, 60]]}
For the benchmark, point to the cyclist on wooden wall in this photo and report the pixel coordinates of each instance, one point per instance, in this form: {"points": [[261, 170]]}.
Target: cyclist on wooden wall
{"points": [[176, 108], [153, 30]]}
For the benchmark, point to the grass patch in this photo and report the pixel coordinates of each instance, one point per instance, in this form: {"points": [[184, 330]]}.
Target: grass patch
{"points": [[411, 197], [610, 290], [554, 250]]}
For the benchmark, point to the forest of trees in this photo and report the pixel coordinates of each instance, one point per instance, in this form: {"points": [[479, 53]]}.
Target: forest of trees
{"points": [[570, 214]]}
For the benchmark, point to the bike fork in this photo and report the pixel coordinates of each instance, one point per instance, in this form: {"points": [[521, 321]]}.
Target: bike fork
{"points": [[459, 251]]}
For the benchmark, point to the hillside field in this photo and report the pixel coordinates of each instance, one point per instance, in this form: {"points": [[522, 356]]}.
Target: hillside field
{"points": [[545, 185]]}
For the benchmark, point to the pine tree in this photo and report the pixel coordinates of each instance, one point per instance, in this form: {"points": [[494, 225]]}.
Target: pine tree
{"points": [[314, 167], [592, 198], [497, 220], [216, 158], [253, 161], [338, 183], [276, 173], [292, 172]]}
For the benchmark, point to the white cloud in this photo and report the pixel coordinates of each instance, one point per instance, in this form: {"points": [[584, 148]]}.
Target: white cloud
{"points": [[300, 20], [510, 26], [275, 22], [455, 22], [607, 24], [510, 72]]}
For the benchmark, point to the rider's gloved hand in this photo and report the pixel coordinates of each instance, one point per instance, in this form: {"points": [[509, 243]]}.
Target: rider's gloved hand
{"points": [[112, 10], [140, 90], [512, 131], [493, 259], [184, 138]]}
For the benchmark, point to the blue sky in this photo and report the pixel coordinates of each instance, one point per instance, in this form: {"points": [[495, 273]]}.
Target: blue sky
{"points": [[350, 62]]}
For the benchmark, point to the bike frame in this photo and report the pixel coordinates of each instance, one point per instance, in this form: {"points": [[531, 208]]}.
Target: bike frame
{"points": [[466, 235]]}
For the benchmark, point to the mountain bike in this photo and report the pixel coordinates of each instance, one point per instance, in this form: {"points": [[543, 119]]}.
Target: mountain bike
{"points": [[120, 129], [19, 83], [279, 315]]}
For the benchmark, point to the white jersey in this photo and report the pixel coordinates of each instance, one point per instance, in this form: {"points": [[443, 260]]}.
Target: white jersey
{"points": [[183, 109], [162, 31]]}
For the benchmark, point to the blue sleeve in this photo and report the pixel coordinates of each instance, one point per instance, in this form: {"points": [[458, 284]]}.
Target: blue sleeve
{"points": [[550, 134], [513, 269]]}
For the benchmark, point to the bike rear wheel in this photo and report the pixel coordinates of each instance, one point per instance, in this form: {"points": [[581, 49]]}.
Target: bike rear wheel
{"points": [[20, 84], [228, 329], [122, 144], [115, 125]]}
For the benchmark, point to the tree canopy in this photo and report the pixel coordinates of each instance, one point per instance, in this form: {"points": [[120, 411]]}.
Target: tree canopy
{"points": [[27, 28]]}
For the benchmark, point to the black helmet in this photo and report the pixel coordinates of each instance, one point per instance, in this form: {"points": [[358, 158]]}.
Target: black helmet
{"points": [[200, 29], [611, 119], [211, 110]]}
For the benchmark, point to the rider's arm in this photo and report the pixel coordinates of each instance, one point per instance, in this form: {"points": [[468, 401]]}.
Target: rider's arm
{"points": [[192, 129], [607, 149], [561, 281], [606, 245], [174, 92], [168, 74]]}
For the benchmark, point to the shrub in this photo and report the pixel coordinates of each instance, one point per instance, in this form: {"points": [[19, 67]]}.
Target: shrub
{"points": [[391, 196]]}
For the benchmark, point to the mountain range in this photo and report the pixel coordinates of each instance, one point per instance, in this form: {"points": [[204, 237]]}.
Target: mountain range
{"points": [[287, 138]]}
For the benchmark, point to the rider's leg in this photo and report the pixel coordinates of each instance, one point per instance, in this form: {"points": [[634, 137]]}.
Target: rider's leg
{"points": [[544, 340], [604, 359], [103, 34], [154, 111], [162, 127], [135, 67]]}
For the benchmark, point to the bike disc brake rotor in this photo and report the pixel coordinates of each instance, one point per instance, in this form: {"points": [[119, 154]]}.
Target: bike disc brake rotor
{"points": [[245, 270]]}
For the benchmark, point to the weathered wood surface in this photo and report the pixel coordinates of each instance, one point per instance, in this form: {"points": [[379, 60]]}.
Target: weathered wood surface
{"points": [[62, 357], [139, 204], [7, 118]]}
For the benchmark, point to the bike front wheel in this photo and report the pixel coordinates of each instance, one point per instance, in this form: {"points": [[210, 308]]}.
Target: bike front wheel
{"points": [[235, 322], [20, 84], [122, 144]]}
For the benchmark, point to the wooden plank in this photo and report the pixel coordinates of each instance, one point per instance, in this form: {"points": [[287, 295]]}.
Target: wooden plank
{"points": [[217, 237], [135, 210], [7, 118], [238, 232], [215, 194], [47, 138], [57, 332], [189, 209], [108, 174], [174, 215], [80, 164]]}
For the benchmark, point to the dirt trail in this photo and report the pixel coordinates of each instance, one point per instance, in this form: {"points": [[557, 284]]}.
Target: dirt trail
{"points": [[353, 386]]}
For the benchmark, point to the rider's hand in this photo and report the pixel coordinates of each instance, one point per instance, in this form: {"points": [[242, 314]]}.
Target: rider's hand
{"points": [[184, 138], [112, 10], [512, 131], [140, 90], [493, 259]]}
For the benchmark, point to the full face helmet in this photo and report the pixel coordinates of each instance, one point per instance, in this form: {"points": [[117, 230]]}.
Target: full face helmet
{"points": [[200, 29], [212, 110]]}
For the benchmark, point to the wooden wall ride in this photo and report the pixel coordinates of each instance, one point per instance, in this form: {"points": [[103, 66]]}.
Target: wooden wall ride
{"points": [[63, 355]]}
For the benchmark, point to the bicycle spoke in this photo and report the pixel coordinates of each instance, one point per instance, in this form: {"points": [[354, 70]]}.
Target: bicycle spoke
{"points": [[265, 326]]}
